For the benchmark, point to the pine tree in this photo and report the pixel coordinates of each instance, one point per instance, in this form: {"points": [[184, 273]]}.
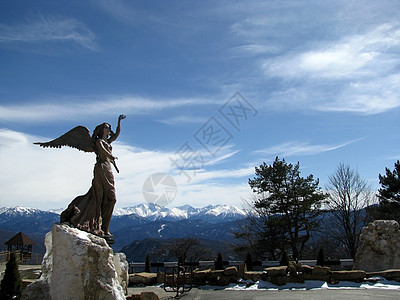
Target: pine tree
{"points": [[147, 267], [219, 264], [249, 262], [321, 258], [294, 200], [284, 259], [389, 194], [11, 285]]}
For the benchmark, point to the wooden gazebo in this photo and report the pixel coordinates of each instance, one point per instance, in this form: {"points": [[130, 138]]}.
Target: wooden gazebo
{"points": [[20, 242]]}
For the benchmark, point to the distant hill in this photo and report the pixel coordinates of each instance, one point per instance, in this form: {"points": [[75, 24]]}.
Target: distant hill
{"points": [[161, 229], [138, 250]]}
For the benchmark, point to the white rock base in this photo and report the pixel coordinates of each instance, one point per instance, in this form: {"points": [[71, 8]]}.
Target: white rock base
{"points": [[77, 266], [379, 246]]}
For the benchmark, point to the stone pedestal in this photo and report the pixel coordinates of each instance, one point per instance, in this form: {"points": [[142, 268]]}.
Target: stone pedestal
{"points": [[77, 266], [379, 246]]}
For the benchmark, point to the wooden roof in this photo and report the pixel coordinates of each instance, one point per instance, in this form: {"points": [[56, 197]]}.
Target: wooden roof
{"points": [[19, 239]]}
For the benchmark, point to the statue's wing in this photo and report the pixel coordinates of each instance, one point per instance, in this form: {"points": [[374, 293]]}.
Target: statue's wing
{"points": [[78, 137]]}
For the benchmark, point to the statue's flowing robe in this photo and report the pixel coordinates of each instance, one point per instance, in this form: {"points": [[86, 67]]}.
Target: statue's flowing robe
{"points": [[92, 212]]}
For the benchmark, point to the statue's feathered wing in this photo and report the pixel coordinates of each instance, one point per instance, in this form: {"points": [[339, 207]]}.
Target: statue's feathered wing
{"points": [[78, 137]]}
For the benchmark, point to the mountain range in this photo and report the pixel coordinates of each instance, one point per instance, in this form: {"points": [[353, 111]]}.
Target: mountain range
{"points": [[210, 213], [141, 228], [132, 224]]}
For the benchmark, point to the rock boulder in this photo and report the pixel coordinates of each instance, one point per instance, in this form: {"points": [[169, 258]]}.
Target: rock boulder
{"points": [[379, 246], [77, 266]]}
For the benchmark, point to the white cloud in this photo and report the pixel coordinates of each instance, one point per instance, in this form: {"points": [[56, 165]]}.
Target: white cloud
{"points": [[71, 108], [49, 29], [51, 178], [179, 120], [256, 49], [357, 74], [209, 176], [367, 97], [301, 148], [204, 194], [38, 177], [357, 55]]}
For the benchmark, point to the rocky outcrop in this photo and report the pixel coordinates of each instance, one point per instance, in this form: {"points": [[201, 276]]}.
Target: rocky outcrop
{"points": [[77, 266], [379, 246], [122, 269]]}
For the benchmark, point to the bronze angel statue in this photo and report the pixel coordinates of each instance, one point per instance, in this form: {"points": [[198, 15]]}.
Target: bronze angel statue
{"points": [[92, 212]]}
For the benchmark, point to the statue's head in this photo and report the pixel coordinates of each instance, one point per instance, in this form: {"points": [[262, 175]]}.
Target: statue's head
{"points": [[99, 130]]}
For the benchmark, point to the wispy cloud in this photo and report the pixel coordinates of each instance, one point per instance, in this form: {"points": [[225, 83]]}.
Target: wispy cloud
{"points": [[71, 108], [356, 55], [302, 148], [256, 49], [363, 96], [357, 74], [179, 120], [368, 97], [120, 10], [49, 29]]}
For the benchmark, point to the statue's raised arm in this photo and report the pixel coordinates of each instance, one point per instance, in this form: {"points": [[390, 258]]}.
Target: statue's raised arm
{"points": [[114, 136], [92, 212]]}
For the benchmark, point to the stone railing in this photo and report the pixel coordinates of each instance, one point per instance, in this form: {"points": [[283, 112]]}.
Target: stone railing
{"points": [[137, 267]]}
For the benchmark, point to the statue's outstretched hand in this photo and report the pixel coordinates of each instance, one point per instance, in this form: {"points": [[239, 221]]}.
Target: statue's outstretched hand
{"points": [[121, 117]]}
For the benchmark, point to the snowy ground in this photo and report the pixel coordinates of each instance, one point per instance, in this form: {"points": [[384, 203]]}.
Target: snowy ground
{"points": [[373, 283], [311, 290]]}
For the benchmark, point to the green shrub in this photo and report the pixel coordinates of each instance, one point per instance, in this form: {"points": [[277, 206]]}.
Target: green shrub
{"points": [[147, 266], [249, 262], [11, 285], [284, 259], [219, 264], [321, 258]]}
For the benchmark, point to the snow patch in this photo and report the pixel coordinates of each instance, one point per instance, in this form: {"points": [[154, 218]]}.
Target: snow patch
{"points": [[312, 284], [161, 229]]}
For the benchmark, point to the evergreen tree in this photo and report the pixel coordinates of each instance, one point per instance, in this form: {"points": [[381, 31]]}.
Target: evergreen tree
{"points": [[249, 262], [219, 264], [11, 285], [389, 194], [284, 258], [321, 258], [291, 201], [260, 233], [147, 267]]}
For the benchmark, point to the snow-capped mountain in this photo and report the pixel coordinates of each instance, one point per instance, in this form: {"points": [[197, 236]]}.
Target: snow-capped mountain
{"points": [[18, 210], [28, 220], [24, 214], [210, 213]]}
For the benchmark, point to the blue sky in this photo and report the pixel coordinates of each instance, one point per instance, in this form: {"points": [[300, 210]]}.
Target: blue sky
{"points": [[218, 87]]}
